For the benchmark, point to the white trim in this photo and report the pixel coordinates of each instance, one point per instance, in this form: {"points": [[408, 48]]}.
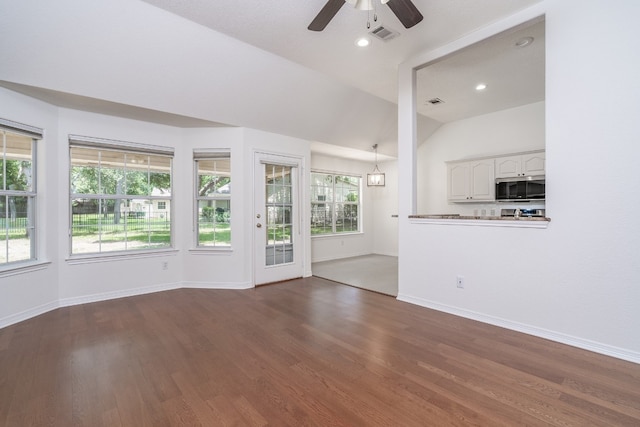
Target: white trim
{"points": [[327, 235], [332, 258], [112, 144], [105, 296], [516, 223], [16, 269], [28, 130], [218, 285], [608, 350], [119, 256], [28, 314], [211, 250]]}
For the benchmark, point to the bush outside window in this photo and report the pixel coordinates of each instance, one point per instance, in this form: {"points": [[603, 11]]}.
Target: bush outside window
{"points": [[120, 198], [335, 203]]}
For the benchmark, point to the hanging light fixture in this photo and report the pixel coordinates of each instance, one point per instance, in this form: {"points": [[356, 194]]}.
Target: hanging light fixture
{"points": [[375, 179]]}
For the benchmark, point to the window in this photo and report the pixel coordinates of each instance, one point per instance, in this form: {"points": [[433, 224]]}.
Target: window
{"points": [[17, 192], [120, 196], [335, 203], [213, 199]]}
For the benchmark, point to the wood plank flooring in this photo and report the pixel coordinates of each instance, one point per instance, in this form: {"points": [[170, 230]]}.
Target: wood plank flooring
{"points": [[307, 352]]}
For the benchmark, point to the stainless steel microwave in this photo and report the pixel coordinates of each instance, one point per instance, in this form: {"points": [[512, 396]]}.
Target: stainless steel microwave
{"points": [[521, 188]]}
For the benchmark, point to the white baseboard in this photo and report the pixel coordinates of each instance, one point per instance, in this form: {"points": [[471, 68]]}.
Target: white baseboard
{"points": [[217, 285], [28, 314], [105, 296], [596, 347], [333, 258]]}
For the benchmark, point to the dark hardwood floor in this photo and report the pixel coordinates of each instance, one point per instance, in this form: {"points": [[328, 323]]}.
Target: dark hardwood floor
{"points": [[307, 352]]}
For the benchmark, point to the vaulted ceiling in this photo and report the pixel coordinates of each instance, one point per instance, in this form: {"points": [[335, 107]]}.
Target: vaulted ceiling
{"points": [[254, 63]]}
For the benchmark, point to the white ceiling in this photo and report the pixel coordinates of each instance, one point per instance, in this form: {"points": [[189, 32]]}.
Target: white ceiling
{"points": [[155, 64], [280, 27]]}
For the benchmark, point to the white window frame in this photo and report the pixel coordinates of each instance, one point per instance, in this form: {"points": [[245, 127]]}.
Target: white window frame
{"points": [[36, 134], [88, 142], [210, 154], [333, 203]]}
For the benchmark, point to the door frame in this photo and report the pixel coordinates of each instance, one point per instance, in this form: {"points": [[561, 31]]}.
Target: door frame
{"points": [[300, 232]]}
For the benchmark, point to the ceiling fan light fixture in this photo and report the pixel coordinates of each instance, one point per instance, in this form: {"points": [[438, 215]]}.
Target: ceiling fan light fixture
{"points": [[362, 4]]}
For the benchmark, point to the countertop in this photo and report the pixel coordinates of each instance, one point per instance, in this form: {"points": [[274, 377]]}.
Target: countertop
{"points": [[482, 218]]}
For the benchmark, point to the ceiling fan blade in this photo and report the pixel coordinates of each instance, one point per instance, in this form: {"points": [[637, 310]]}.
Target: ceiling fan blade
{"points": [[325, 15], [406, 12]]}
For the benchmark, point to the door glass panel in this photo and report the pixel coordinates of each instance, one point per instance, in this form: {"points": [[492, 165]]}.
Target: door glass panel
{"points": [[279, 192]]}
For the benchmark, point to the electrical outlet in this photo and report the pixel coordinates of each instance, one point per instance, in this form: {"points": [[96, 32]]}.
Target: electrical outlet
{"points": [[460, 281], [165, 265]]}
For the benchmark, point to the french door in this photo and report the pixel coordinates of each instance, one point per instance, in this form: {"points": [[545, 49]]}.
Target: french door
{"points": [[278, 241]]}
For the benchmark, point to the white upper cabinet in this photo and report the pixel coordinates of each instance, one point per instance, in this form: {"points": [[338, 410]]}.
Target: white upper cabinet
{"points": [[471, 181], [520, 165]]}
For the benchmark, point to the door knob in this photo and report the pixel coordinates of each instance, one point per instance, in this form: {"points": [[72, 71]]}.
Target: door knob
{"points": [[258, 225]]}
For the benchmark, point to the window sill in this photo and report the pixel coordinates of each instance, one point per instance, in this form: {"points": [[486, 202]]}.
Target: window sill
{"points": [[23, 268], [118, 256], [324, 236], [211, 251]]}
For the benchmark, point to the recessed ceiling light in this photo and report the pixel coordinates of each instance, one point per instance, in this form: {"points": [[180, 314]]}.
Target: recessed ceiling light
{"points": [[481, 86], [524, 42], [362, 42]]}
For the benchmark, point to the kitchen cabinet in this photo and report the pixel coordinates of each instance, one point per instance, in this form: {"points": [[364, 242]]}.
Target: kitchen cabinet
{"points": [[520, 165], [471, 181]]}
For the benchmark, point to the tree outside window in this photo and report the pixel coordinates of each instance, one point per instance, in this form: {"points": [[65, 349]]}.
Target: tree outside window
{"points": [[116, 196], [335, 203], [213, 199], [17, 197]]}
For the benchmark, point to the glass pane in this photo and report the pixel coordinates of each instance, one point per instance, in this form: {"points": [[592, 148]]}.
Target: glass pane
{"points": [[346, 218], [155, 229], [111, 172], [214, 223], [160, 175], [214, 177], [18, 162], [278, 174], [279, 249], [17, 228], [321, 187], [347, 188], [278, 215], [278, 194], [85, 225], [137, 175], [85, 171], [118, 224], [321, 218]]}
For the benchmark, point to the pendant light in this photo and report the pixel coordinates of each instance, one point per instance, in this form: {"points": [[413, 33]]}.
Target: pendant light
{"points": [[375, 179]]}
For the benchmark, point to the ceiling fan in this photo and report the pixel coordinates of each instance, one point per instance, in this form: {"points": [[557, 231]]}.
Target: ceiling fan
{"points": [[405, 10]]}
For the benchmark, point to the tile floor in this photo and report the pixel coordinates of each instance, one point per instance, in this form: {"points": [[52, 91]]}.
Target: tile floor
{"points": [[377, 273]]}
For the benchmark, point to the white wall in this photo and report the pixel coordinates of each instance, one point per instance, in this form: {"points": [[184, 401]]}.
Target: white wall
{"points": [[385, 211], [29, 293], [61, 280], [503, 132], [577, 280]]}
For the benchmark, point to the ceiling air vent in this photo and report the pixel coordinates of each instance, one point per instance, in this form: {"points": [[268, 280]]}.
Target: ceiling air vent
{"points": [[384, 33], [435, 101]]}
